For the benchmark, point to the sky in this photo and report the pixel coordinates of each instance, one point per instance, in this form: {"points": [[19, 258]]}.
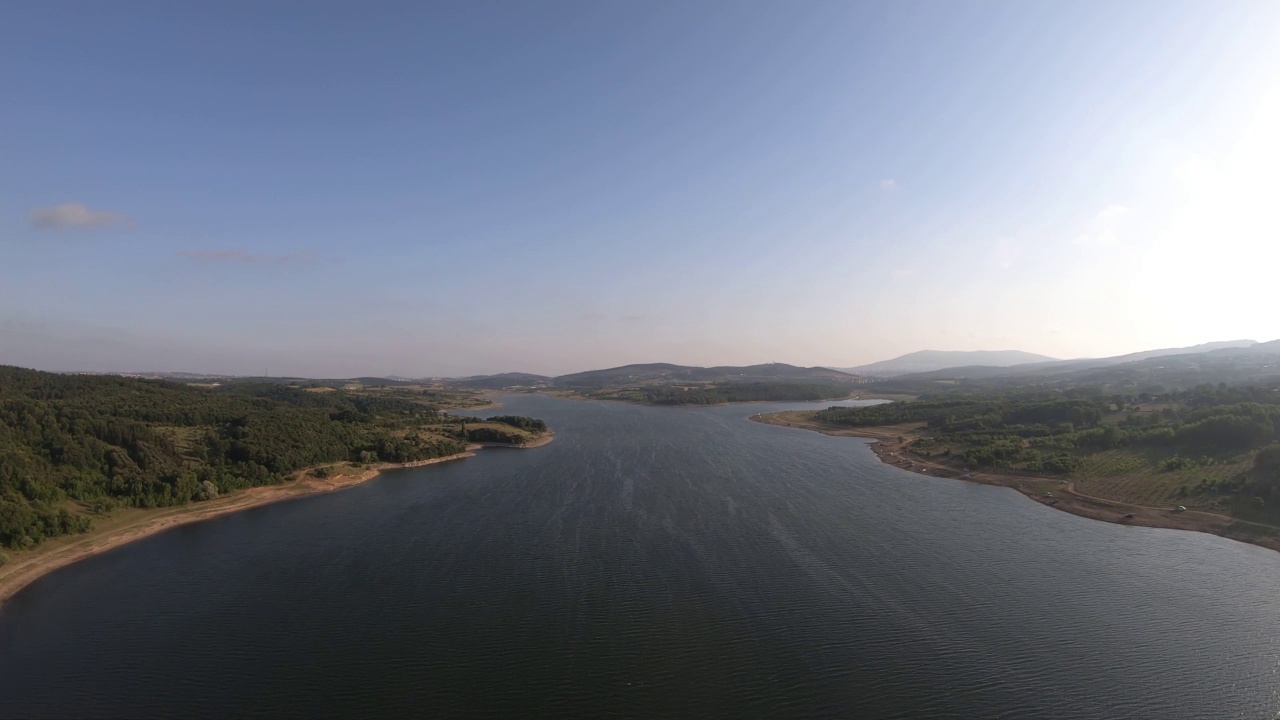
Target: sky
{"points": [[344, 189]]}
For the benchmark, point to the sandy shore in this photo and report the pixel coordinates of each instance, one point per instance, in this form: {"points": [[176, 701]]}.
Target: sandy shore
{"points": [[26, 566], [892, 446]]}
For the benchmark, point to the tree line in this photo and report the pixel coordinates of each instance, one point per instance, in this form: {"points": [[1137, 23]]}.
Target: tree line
{"points": [[1051, 432], [98, 442], [739, 392]]}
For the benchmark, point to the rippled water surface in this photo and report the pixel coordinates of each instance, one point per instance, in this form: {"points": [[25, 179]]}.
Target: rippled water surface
{"points": [[651, 563]]}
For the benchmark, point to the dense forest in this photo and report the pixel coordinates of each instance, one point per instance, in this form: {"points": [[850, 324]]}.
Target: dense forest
{"points": [[1056, 433], [73, 445], [728, 393]]}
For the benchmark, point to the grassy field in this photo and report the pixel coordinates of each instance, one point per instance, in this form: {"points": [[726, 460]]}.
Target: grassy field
{"points": [[184, 438], [528, 436], [1135, 476], [444, 431], [342, 469], [866, 395], [433, 395]]}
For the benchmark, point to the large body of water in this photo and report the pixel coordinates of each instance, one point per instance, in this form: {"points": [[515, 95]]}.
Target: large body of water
{"points": [[654, 563]]}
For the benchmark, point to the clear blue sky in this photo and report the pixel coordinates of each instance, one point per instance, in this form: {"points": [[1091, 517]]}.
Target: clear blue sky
{"points": [[403, 188]]}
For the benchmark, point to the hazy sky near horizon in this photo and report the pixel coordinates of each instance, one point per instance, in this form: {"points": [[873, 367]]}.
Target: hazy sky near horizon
{"points": [[344, 189]]}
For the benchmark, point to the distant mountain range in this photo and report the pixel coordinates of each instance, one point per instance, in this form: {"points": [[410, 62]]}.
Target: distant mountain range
{"points": [[1233, 362], [1061, 367], [503, 380], [667, 372], [659, 372], [1237, 362], [1228, 361], [930, 360]]}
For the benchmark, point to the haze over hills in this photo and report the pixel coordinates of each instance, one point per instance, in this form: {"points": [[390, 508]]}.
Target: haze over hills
{"points": [[1190, 350], [635, 373], [1057, 367], [1177, 369], [502, 380], [648, 372], [1033, 367], [929, 360]]}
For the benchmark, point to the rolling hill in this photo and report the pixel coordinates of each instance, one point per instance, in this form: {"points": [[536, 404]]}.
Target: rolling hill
{"points": [[502, 381], [1063, 367], [1258, 364], [931, 360], [666, 372]]}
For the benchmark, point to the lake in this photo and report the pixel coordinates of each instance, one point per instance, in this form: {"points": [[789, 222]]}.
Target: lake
{"points": [[649, 563]]}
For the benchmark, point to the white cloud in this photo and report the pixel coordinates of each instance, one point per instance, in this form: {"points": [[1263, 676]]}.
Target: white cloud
{"points": [[1102, 230], [75, 215], [888, 185]]}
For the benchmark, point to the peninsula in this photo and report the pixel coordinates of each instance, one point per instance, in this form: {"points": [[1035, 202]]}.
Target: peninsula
{"points": [[1205, 459], [90, 462]]}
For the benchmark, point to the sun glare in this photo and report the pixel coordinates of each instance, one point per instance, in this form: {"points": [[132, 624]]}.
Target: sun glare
{"points": [[1219, 243]]}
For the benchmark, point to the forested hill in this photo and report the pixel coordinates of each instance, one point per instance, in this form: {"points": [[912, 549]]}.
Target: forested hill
{"points": [[1212, 447], [75, 445], [930, 360], [1175, 370], [502, 381], [1213, 352], [668, 373], [717, 393]]}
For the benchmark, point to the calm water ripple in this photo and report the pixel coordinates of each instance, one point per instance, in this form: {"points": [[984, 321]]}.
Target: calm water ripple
{"points": [[654, 563]]}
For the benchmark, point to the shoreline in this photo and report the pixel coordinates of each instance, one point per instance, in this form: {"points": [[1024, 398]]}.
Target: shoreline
{"points": [[57, 553], [574, 396], [891, 451]]}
